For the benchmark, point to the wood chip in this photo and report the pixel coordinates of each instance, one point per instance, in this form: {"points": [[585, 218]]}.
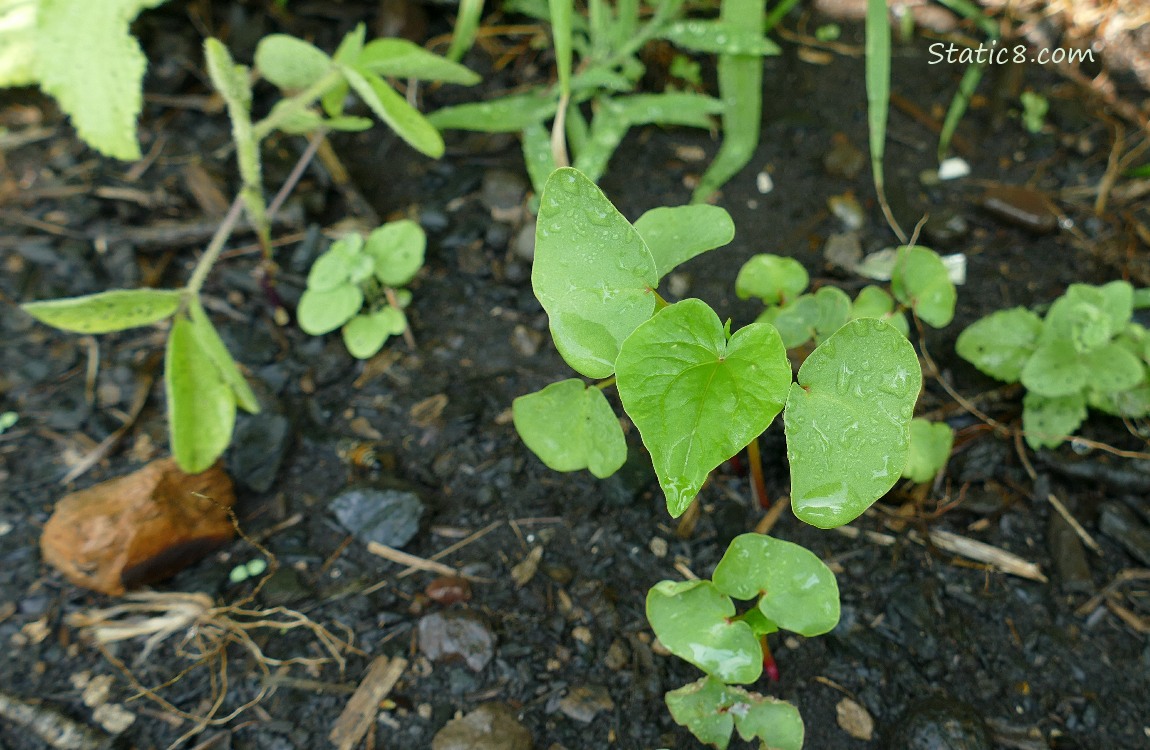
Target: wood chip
{"points": [[971, 549], [411, 561], [359, 713], [526, 569]]}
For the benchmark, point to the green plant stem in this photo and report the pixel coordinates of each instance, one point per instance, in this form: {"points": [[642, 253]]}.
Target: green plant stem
{"points": [[303, 99], [660, 303], [777, 14], [215, 247], [666, 10], [605, 383]]}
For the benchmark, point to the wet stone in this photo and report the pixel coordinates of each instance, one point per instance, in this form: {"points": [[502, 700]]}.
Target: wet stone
{"points": [[386, 516], [492, 726], [940, 724], [451, 636], [946, 227], [524, 243], [259, 446], [1119, 523], [585, 702], [1069, 556], [502, 194]]}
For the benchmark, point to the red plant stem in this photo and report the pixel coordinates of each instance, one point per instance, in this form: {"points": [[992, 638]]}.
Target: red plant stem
{"points": [[757, 482], [769, 665]]}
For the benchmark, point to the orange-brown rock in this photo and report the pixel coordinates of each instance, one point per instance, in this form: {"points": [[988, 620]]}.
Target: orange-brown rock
{"points": [[139, 528]]}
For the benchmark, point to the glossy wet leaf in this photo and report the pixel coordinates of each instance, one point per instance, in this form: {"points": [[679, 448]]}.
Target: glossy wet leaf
{"points": [[397, 248], [672, 108], [394, 110], [218, 356], [796, 321], [675, 235], [606, 133], [692, 619], [930, 444], [1055, 369], [799, 592], [848, 421], [104, 312], [719, 37], [711, 710], [507, 115], [592, 273], [323, 311], [291, 63], [772, 278], [571, 427], [201, 406], [1048, 421], [697, 398], [399, 58], [920, 280], [1001, 343]]}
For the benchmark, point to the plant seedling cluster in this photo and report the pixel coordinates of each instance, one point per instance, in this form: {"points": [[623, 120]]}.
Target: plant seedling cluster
{"points": [[698, 393], [1086, 352], [356, 285]]}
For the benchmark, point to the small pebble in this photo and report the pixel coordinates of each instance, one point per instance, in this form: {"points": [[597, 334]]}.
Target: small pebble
{"points": [[492, 726], [585, 702], [455, 636], [386, 516]]}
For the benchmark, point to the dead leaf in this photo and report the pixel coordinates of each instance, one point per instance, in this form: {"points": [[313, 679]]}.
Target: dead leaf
{"points": [[854, 720], [525, 570]]}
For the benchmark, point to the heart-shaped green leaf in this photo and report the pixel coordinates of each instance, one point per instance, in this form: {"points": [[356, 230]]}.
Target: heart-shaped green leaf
{"points": [[1047, 421], [397, 248], [711, 710], [696, 397], [1001, 343], [772, 278], [930, 444], [692, 619], [570, 427], [848, 421], [592, 273], [920, 280], [799, 593], [795, 321], [834, 311], [201, 406], [324, 311], [104, 312], [675, 235]]}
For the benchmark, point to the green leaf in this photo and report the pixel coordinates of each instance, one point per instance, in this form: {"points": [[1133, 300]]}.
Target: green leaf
{"points": [[693, 620], [18, 42], [365, 334], [607, 131], [675, 235], [230, 79], [1055, 369], [290, 63], [799, 593], [217, 354], [104, 312], [834, 311], [877, 84], [1074, 321], [1047, 421], [772, 278], [696, 397], [592, 273], [399, 58], [88, 60], [874, 302], [336, 266], [848, 421], [390, 107], [1116, 299], [323, 311], [719, 37], [507, 115], [1001, 343], [537, 155], [201, 406], [930, 444], [351, 46], [571, 427], [397, 250], [672, 108], [1131, 404], [920, 281], [711, 709], [796, 321], [1113, 368]]}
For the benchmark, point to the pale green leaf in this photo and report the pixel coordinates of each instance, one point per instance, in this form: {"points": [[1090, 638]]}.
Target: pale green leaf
{"points": [[18, 42], [606, 133], [930, 444], [509, 114], [571, 427], [397, 250], [1131, 404], [719, 37], [323, 311], [697, 398], [365, 334], [848, 421], [290, 63], [1000, 343], [1047, 422], [390, 107], [772, 278], [399, 58], [693, 620], [109, 311], [834, 311], [218, 356], [1077, 322], [1055, 369], [1113, 368], [592, 273], [710, 709], [920, 281], [201, 406], [796, 321], [1116, 299], [672, 108], [675, 235], [537, 155]]}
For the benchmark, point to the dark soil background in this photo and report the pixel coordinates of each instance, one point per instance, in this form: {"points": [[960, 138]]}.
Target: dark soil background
{"points": [[572, 656]]}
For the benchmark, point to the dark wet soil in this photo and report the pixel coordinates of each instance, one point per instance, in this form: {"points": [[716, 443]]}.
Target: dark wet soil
{"points": [[917, 623]]}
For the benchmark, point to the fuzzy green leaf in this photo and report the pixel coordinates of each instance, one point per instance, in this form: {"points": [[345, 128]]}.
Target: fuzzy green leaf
{"points": [[799, 593], [711, 709], [1131, 404], [88, 60], [592, 273], [399, 58], [848, 421], [693, 620], [290, 63], [930, 444], [1001, 343], [1078, 323], [1055, 369], [104, 312], [201, 406], [323, 311], [920, 280], [18, 42], [336, 266], [772, 278], [675, 235], [507, 115], [1113, 368], [397, 249], [1116, 299], [394, 110], [1047, 421], [571, 427], [218, 355], [697, 397], [365, 334]]}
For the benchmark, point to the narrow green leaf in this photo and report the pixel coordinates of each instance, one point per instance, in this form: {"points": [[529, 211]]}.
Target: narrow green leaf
{"points": [[848, 421], [592, 273], [693, 620], [507, 115], [877, 83], [672, 108], [675, 235], [201, 406], [105, 312], [399, 58], [697, 398], [719, 38], [290, 63], [321, 312], [920, 280], [772, 278], [1049, 421], [390, 107], [397, 248], [217, 355], [537, 155], [1000, 343], [930, 444], [571, 427], [561, 13], [958, 103], [607, 131], [466, 28], [798, 591]]}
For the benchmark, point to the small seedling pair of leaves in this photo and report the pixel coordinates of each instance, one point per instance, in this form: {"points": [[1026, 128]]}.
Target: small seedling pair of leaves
{"points": [[712, 710], [353, 272]]}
